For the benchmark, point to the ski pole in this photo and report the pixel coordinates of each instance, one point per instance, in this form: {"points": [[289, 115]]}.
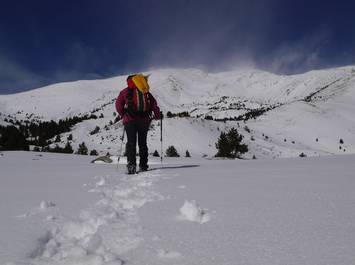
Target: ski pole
{"points": [[120, 150], [161, 138]]}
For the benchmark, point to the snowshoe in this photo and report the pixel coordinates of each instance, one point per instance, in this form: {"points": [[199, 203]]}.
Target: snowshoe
{"points": [[131, 169], [143, 168]]}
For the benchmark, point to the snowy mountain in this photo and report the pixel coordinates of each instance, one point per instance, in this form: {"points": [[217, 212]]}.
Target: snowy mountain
{"points": [[61, 209], [279, 116]]}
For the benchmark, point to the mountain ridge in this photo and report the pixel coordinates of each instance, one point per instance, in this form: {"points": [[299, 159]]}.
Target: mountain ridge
{"points": [[292, 111]]}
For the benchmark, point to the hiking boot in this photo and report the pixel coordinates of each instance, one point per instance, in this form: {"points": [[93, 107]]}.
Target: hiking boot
{"points": [[143, 168], [131, 169]]}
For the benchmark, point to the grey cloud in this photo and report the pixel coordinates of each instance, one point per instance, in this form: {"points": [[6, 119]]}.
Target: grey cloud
{"points": [[212, 39], [298, 56], [14, 76]]}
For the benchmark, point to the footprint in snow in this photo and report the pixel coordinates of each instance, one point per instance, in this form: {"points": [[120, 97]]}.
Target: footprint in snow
{"points": [[168, 254], [101, 182], [156, 238], [43, 207]]}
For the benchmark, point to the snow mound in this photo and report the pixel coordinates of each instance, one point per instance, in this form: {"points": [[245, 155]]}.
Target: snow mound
{"points": [[44, 205], [102, 160], [191, 211]]}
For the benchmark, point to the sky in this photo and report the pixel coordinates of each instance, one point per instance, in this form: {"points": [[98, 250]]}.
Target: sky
{"points": [[44, 42]]}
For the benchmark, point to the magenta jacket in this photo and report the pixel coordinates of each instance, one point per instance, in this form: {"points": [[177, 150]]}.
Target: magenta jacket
{"points": [[121, 103]]}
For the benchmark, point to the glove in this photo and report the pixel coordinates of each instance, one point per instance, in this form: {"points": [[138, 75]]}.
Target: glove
{"points": [[158, 117]]}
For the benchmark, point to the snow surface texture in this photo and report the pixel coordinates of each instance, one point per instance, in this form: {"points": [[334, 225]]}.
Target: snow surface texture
{"points": [[286, 211], [309, 113]]}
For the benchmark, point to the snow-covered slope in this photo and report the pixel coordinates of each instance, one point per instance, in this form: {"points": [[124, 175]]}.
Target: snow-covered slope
{"points": [[307, 113]]}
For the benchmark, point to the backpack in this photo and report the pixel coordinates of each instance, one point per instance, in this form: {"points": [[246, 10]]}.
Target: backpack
{"points": [[138, 103]]}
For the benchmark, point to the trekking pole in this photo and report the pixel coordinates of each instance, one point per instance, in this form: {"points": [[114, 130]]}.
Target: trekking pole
{"points": [[161, 138], [120, 150]]}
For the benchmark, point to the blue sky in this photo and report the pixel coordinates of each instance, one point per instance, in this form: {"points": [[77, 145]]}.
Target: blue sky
{"points": [[43, 42]]}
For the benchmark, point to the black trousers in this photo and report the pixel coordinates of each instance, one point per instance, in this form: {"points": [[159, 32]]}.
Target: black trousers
{"points": [[134, 129]]}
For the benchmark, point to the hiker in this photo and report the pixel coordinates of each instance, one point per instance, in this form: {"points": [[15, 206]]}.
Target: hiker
{"points": [[137, 107]]}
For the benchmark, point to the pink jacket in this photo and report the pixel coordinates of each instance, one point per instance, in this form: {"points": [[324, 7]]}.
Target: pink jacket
{"points": [[121, 103]]}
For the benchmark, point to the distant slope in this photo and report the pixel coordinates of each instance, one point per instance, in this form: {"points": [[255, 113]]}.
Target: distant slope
{"points": [[291, 111]]}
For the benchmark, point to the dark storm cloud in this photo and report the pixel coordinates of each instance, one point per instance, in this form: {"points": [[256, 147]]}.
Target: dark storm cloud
{"points": [[215, 35], [51, 41]]}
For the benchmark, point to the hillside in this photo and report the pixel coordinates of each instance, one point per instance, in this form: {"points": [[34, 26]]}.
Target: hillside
{"points": [[307, 113]]}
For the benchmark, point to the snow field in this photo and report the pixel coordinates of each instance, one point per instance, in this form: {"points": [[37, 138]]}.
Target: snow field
{"points": [[101, 233], [286, 211]]}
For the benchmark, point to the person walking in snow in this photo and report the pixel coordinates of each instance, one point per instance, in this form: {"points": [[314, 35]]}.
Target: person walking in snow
{"points": [[137, 108]]}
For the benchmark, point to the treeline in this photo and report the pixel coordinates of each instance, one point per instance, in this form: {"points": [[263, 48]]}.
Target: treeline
{"points": [[12, 138], [19, 136], [40, 133], [183, 114], [249, 114]]}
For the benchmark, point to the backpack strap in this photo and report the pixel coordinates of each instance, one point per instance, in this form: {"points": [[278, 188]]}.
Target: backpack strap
{"points": [[130, 103], [150, 102]]}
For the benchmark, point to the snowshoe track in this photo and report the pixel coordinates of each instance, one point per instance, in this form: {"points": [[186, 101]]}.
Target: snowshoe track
{"points": [[106, 230]]}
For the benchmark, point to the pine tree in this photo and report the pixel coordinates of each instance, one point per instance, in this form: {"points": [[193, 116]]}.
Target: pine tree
{"points": [[96, 130], [302, 155], [68, 149], [187, 154], [246, 128], [36, 149], [230, 144], [93, 152], [82, 150], [156, 154], [223, 147], [169, 114], [171, 152], [56, 149], [57, 139]]}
